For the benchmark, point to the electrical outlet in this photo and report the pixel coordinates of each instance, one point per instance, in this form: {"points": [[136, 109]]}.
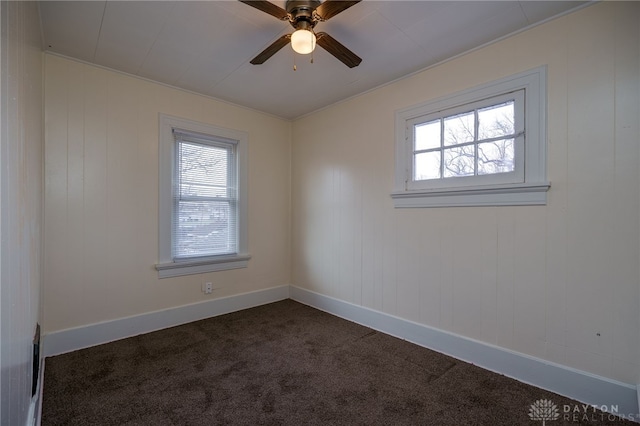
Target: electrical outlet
{"points": [[207, 288]]}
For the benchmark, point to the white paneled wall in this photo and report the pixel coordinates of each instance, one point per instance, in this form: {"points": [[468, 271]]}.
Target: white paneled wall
{"points": [[101, 196], [21, 150], [559, 282]]}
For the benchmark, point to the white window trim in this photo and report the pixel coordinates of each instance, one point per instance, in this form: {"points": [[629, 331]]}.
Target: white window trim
{"points": [[533, 191], [166, 266]]}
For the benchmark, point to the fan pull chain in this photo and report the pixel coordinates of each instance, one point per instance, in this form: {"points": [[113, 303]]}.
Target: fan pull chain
{"points": [[312, 35], [294, 62]]}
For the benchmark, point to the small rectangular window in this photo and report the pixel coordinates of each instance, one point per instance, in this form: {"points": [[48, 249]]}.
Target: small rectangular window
{"points": [[479, 147], [469, 141]]}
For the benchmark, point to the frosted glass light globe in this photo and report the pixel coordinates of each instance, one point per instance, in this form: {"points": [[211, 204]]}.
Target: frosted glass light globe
{"points": [[303, 41]]}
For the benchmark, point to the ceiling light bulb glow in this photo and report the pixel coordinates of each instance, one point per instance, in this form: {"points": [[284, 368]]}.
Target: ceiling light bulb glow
{"points": [[303, 41]]}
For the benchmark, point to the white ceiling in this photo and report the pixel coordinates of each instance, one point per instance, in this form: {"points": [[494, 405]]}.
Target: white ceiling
{"points": [[206, 46]]}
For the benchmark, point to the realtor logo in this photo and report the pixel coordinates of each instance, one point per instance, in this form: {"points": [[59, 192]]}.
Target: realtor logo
{"points": [[543, 409]]}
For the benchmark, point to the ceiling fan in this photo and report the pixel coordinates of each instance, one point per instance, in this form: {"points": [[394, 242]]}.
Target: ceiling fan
{"points": [[303, 15]]}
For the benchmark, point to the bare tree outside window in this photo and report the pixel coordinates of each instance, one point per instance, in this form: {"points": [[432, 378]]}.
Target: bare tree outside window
{"points": [[477, 142]]}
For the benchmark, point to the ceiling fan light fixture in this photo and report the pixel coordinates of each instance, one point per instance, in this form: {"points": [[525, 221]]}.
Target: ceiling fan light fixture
{"points": [[303, 15], [303, 41]]}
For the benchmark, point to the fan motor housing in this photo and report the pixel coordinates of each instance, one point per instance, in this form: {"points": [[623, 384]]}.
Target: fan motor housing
{"points": [[301, 10]]}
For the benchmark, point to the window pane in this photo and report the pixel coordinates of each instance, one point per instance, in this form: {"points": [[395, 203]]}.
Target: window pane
{"points": [[204, 225], [426, 135], [459, 161], [496, 121], [203, 170], [204, 228], [496, 157], [459, 128], [426, 166]]}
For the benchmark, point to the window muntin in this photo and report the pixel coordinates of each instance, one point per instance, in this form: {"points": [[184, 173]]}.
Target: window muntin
{"points": [[205, 197], [483, 141]]}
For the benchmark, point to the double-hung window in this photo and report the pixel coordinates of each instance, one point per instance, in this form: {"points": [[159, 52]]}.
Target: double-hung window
{"points": [[484, 146], [205, 197], [202, 206]]}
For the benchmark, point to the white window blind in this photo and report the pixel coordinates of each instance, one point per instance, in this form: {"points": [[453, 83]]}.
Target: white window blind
{"points": [[205, 196]]}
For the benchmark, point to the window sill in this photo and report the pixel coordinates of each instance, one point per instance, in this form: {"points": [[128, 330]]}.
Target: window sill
{"points": [[522, 194], [176, 269]]}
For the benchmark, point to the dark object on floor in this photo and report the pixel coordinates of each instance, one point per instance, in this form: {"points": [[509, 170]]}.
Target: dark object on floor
{"points": [[35, 361], [284, 363]]}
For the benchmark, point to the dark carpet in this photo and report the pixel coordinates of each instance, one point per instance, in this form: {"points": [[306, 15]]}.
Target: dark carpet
{"points": [[284, 364]]}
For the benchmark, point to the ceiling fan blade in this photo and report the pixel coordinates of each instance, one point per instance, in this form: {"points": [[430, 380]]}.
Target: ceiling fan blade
{"points": [[331, 8], [271, 50], [268, 7], [338, 50]]}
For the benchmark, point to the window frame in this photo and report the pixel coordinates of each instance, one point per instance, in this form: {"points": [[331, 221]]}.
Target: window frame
{"points": [[527, 185], [167, 266], [516, 176]]}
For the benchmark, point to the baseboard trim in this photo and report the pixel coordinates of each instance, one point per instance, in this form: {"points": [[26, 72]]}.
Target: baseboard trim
{"points": [[579, 385], [35, 407], [72, 339], [31, 417], [40, 390]]}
